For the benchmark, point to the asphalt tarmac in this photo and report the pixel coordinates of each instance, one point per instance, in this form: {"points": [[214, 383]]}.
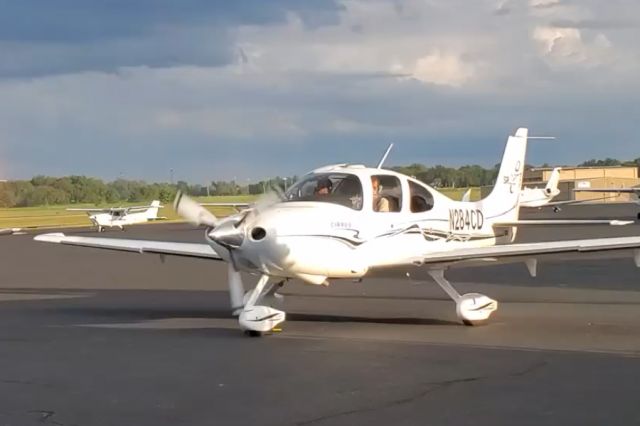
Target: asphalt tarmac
{"points": [[94, 337]]}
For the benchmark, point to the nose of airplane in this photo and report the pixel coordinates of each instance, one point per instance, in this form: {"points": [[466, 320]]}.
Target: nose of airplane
{"points": [[228, 235]]}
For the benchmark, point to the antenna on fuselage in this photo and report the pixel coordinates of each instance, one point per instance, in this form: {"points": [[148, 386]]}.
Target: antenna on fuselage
{"points": [[384, 157]]}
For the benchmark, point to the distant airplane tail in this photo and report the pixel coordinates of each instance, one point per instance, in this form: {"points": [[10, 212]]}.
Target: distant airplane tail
{"points": [[502, 204], [152, 212], [552, 186]]}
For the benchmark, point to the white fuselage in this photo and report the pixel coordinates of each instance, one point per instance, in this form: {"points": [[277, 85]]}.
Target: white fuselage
{"points": [[316, 240], [116, 219]]}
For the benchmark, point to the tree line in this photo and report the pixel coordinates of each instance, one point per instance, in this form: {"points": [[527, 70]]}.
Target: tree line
{"points": [[46, 190]]}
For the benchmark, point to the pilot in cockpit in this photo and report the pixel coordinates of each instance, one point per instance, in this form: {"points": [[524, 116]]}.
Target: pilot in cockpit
{"points": [[323, 187]]}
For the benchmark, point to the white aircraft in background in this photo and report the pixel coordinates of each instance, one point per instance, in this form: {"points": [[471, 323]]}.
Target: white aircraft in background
{"points": [[332, 225], [535, 197], [10, 231], [634, 191], [121, 216], [540, 197], [543, 197]]}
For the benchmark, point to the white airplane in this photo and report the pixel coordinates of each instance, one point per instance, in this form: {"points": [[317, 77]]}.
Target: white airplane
{"points": [[535, 197], [540, 197], [10, 231], [331, 225], [634, 191], [121, 216]]}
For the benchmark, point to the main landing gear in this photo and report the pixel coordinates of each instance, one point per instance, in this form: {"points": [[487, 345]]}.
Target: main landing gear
{"points": [[256, 319], [471, 308]]}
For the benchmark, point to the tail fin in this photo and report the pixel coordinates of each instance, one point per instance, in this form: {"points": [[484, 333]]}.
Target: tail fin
{"points": [[503, 202], [152, 212], [552, 186]]}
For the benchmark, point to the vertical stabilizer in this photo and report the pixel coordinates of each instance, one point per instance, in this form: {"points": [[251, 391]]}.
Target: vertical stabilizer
{"points": [[552, 186], [152, 212], [503, 202]]}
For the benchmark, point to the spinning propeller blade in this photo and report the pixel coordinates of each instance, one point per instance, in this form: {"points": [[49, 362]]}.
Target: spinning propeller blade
{"points": [[193, 212]]}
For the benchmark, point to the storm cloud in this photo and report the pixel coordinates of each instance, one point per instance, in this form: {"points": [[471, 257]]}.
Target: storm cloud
{"points": [[251, 88]]}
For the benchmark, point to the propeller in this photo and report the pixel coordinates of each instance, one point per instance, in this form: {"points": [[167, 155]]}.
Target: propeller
{"points": [[193, 212], [266, 200], [228, 233]]}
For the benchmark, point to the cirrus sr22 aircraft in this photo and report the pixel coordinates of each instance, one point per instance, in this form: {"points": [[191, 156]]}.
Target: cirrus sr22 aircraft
{"points": [[331, 225]]}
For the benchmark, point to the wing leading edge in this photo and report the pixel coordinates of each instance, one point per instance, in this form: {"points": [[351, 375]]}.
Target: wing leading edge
{"points": [[197, 250]]}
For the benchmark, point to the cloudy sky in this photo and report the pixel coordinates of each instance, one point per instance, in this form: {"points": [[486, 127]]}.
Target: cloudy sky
{"points": [[254, 88]]}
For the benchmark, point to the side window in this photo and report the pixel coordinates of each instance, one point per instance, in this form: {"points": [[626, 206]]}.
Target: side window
{"points": [[387, 193], [421, 198]]}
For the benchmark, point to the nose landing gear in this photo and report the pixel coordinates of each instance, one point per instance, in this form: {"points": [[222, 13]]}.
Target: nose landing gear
{"points": [[255, 319]]}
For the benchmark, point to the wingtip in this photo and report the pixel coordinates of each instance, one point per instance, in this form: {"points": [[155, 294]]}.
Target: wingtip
{"points": [[621, 222], [55, 237]]}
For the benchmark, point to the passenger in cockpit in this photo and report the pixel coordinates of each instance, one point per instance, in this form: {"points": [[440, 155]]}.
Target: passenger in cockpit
{"points": [[380, 203]]}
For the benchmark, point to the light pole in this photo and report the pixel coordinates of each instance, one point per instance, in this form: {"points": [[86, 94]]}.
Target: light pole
{"points": [[171, 175]]}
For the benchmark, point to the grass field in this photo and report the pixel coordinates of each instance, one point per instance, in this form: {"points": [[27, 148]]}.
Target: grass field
{"points": [[58, 216]]}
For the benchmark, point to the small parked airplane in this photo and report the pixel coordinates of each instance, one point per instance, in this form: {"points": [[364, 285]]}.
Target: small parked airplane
{"points": [[10, 231], [353, 222], [634, 191], [543, 197], [536, 197], [540, 197], [121, 216]]}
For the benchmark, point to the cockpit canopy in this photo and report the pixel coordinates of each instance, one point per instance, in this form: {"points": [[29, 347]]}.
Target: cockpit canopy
{"points": [[337, 188], [385, 192]]}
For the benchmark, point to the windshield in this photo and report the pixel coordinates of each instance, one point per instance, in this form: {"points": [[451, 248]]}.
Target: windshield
{"points": [[336, 188]]}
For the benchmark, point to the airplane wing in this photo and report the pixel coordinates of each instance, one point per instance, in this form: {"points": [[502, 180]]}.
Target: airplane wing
{"points": [[107, 210], [134, 209], [612, 222], [198, 250], [569, 202], [633, 190], [236, 206], [491, 255]]}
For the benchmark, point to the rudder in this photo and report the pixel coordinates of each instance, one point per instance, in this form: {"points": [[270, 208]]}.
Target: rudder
{"points": [[503, 201]]}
